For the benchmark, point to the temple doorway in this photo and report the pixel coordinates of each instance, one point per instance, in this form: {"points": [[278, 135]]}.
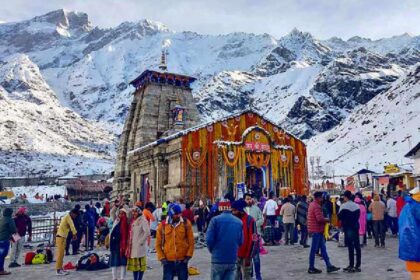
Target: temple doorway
{"points": [[255, 180]]}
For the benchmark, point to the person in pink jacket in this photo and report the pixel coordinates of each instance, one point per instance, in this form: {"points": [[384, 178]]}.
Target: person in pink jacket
{"points": [[362, 219]]}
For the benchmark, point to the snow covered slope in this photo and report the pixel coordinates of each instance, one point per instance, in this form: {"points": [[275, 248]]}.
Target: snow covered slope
{"points": [[376, 133], [82, 71], [38, 134]]}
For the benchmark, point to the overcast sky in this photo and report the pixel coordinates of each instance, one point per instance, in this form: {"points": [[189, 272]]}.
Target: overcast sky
{"points": [[323, 18]]}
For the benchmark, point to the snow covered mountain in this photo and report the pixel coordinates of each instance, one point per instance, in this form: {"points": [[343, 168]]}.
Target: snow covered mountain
{"points": [[307, 85], [376, 133]]}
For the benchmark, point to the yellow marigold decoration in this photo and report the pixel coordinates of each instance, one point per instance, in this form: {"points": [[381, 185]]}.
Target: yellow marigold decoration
{"points": [[197, 158], [258, 160], [231, 157]]}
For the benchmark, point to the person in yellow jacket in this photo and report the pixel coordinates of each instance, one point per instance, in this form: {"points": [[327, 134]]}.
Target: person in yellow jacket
{"points": [[175, 244], [66, 225]]}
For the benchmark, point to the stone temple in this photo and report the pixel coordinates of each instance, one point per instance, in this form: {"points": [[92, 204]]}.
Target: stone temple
{"points": [[166, 153]]}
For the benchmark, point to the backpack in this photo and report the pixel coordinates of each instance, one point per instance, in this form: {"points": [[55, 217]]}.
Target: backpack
{"points": [[91, 262], [29, 256], [255, 245], [39, 259]]}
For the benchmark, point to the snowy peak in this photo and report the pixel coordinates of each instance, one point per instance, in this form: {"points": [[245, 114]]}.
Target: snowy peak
{"points": [[65, 19], [21, 78]]}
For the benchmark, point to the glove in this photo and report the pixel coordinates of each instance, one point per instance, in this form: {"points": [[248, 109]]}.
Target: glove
{"points": [[186, 260], [163, 261]]}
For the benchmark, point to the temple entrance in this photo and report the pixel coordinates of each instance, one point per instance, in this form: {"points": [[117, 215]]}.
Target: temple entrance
{"points": [[255, 180]]}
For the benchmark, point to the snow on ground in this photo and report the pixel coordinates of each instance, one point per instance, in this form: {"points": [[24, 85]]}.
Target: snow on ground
{"points": [[31, 191]]}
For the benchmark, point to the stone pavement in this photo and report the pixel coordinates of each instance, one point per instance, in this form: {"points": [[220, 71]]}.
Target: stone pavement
{"points": [[282, 262]]}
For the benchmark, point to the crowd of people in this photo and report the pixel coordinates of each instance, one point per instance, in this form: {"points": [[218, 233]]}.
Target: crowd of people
{"points": [[235, 231]]}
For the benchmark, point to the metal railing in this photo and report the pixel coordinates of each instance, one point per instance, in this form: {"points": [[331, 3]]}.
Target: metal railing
{"points": [[44, 230]]}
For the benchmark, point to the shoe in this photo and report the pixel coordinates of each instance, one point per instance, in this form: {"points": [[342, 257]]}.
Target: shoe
{"points": [[382, 245], [332, 268], [357, 269], [5, 272], [347, 268], [314, 271], [14, 264], [306, 246], [351, 270], [62, 273]]}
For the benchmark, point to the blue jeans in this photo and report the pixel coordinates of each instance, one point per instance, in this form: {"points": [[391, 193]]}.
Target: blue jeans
{"points": [[90, 238], [138, 275], [223, 271], [172, 269], [303, 235], [393, 224], [4, 250], [257, 266], [318, 242]]}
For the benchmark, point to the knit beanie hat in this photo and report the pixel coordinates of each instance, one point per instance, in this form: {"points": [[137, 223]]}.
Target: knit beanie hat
{"points": [[7, 212], [174, 209], [239, 205], [224, 205]]}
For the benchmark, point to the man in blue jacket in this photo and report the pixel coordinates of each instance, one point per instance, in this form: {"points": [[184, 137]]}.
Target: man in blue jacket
{"points": [[224, 237], [89, 220]]}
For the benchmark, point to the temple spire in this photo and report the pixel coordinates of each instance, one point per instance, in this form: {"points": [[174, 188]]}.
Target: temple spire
{"points": [[163, 58], [162, 65]]}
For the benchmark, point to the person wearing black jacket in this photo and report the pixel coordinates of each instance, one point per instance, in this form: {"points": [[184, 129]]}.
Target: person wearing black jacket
{"points": [[7, 229], [349, 216], [78, 224]]}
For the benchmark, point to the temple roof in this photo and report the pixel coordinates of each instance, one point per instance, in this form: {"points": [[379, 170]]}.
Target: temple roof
{"points": [[151, 76], [202, 125]]}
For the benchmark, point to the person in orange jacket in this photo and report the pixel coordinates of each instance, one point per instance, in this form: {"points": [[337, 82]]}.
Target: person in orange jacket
{"points": [[175, 244]]}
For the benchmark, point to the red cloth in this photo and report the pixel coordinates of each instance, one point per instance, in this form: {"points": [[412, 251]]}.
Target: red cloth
{"points": [[316, 221], [107, 209], [400, 205], [124, 234], [188, 214], [246, 247]]}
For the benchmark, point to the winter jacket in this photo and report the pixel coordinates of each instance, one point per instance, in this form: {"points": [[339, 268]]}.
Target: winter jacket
{"points": [[89, 218], [139, 233], [255, 212], [378, 210], [362, 220], [188, 214], [174, 242], [400, 205], [288, 211], [409, 231], [7, 225], [66, 225], [23, 224], [316, 220], [248, 231], [349, 216], [302, 213], [224, 237], [391, 208]]}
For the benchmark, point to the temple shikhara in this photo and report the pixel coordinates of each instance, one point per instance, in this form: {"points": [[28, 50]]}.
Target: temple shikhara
{"points": [[165, 152]]}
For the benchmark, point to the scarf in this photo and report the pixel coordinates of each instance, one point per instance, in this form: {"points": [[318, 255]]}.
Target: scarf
{"points": [[124, 235]]}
